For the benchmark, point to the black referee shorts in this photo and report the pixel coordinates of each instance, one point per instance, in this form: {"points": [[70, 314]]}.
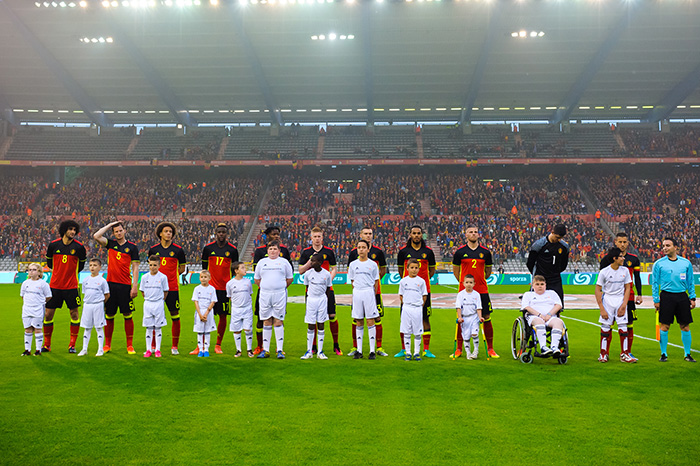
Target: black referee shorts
{"points": [[119, 298], [674, 305]]}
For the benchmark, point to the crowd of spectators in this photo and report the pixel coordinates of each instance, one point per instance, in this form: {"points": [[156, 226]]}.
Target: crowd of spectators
{"points": [[18, 194], [681, 141], [531, 195], [152, 195], [510, 214], [26, 238]]}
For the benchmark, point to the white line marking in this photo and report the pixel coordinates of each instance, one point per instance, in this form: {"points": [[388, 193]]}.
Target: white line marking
{"points": [[635, 335]]}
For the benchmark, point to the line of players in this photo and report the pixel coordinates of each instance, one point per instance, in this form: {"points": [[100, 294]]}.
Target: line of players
{"points": [[548, 257], [66, 257]]}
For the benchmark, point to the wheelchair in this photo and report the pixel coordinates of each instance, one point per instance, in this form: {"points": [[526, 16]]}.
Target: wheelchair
{"points": [[523, 343]]}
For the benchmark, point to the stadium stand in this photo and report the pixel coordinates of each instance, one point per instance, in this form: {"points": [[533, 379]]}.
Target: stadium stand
{"points": [[48, 143]]}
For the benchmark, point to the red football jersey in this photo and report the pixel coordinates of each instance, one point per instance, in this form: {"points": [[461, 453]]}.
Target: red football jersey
{"points": [[170, 260], [120, 258], [473, 261], [65, 261]]}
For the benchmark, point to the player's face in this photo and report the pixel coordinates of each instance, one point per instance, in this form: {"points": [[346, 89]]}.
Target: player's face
{"points": [[204, 278], [367, 234], [469, 284], [153, 266], [241, 270], [273, 236], [622, 242], [539, 287], [317, 239], [118, 232], [555, 238], [413, 270], [166, 234], [362, 250], [70, 233], [416, 235], [94, 267], [619, 260], [472, 235], [273, 252], [669, 248], [221, 234], [33, 272], [316, 264]]}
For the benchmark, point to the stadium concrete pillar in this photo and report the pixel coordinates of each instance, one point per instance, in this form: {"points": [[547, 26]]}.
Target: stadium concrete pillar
{"points": [[274, 130], [466, 128], [665, 126]]}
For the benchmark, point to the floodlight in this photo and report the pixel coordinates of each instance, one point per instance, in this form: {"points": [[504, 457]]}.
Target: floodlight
{"points": [[101, 40], [351, 36], [37, 4], [214, 2], [93, 40], [83, 4], [109, 40], [314, 37], [332, 36], [343, 37], [322, 36], [522, 33]]}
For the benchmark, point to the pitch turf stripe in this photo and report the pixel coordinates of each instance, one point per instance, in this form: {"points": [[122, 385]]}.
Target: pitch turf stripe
{"points": [[635, 335]]}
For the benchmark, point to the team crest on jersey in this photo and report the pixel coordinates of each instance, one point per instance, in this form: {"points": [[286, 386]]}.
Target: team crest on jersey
{"points": [[172, 253], [126, 250], [72, 251], [481, 255], [228, 253], [374, 256], [324, 256], [560, 250], [629, 263], [424, 255]]}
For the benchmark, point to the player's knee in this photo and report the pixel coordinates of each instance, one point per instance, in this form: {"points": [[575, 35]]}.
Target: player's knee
{"points": [[604, 330], [332, 318], [127, 316]]}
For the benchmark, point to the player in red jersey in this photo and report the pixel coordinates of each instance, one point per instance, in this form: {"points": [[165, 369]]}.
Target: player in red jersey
{"points": [[474, 259], [329, 264], [123, 280], [66, 258], [172, 265], [377, 255], [218, 258], [634, 266], [417, 249], [272, 234]]}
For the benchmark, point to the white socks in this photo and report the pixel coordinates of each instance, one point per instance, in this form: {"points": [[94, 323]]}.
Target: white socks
{"points": [[416, 344], [279, 336], [267, 336], [248, 339], [372, 333], [309, 339], [359, 331], [321, 335], [237, 338], [28, 342]]}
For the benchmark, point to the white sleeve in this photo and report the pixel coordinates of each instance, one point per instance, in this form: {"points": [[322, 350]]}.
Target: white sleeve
{"points": [[329, 280], [290, 270], [557, 299], [228, 289], [601, 278], [477, 302], [526, 300], [424, 288], [105, 287], [628, 279], [143, 279], [401, 288], [250, 287], [22, 289], [47, 290], [213, 295], [376, 270], [195, 294], [164, 281], [256, 274], [351, 273], [458, 301]]}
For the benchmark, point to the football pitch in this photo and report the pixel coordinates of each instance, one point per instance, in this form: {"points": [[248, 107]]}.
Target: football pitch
{"points": [[122, 409]]}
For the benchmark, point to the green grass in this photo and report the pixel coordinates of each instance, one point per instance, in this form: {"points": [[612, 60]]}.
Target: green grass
{"points": [[122, 409]]}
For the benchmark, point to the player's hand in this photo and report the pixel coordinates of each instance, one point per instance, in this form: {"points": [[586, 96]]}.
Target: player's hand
{"points": [[481, 319], [546, 317], [204, 318], [638, 300], [460, 320], [656, 306], [604, 315], [692, 304], [621, 311], [134, 293]]}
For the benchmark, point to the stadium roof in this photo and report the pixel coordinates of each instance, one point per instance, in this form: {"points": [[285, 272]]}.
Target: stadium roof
{"points": [[256, 60]]}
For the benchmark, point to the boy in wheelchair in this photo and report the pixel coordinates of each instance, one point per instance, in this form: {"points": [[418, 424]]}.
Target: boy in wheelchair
{"points": [[542, 308]]}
